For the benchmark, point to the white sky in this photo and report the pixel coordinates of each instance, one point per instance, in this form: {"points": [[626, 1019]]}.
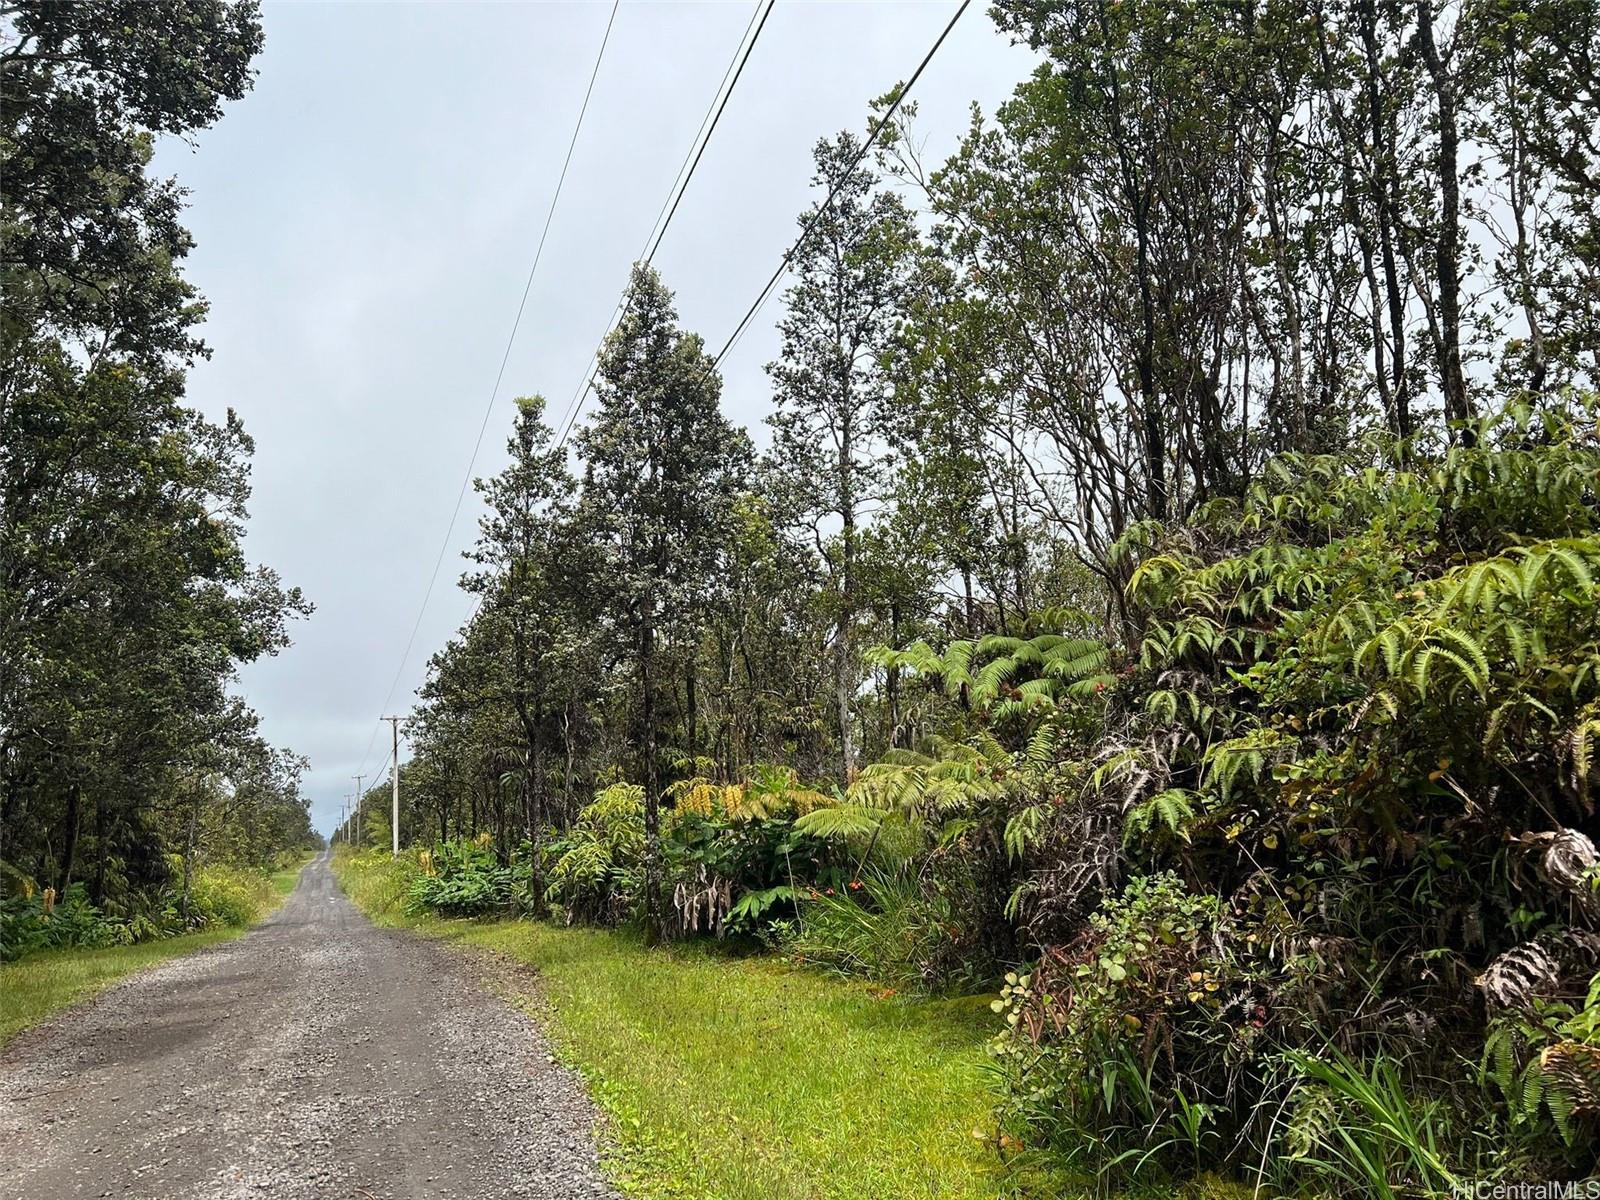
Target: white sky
{"points": [[365, 220]]}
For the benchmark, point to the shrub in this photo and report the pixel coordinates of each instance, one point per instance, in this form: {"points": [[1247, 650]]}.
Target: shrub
{"points": [[1124, 1036], [462, 879], [32, 922], [595, 870]]}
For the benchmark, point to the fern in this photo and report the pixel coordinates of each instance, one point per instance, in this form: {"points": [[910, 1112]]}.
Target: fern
{"points": [[1169, 809], [1246, 755], [1022, 830], [844, 821]]}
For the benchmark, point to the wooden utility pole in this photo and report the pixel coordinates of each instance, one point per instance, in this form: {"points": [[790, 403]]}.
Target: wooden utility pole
{"points": [[394, 780], [359, 798]]}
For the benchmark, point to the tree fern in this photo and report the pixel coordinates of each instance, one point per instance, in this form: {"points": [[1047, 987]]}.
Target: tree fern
{"points": [[943, 781], [845, 821], [1011, 677]]}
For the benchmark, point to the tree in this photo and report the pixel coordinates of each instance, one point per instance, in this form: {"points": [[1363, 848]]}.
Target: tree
{"points": [[524, 592], [1531, 75], [829, 386], [662, 468], [91, 242], [126, 600], [126, 604]]}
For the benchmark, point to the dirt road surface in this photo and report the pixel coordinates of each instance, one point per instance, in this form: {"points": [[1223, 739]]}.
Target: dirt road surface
{"points": [[318, 1056]]}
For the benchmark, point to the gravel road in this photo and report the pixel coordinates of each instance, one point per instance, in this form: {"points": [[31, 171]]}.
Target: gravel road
{"points": [[318, 1056]]}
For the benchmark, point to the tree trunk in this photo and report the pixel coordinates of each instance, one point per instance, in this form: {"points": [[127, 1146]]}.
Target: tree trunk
{"points": [[692, 707], [100, 848], [843, 689], [1154, 431], [188, 852], [653, 900], [1387, 216], [892, 680], [69, 854], [844, 676], [10, 803], [1447, 248], [538, 819], [568, 806]]}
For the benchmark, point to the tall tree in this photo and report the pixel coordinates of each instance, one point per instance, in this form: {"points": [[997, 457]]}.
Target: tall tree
{"points": [[830, 388], [662, 469], [521, 582]]}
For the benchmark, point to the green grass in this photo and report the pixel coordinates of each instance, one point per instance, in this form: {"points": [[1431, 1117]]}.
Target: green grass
{"points": [[41, 985], [746, 1079], [283, 881]]}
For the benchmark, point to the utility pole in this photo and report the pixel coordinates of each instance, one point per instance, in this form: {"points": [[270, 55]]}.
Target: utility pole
{"points": [[394, 778], [359, 797]]}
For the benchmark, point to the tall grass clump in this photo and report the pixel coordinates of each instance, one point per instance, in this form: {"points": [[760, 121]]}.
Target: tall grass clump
{"points": [[885, 926], [229, 896], [378, 883]]}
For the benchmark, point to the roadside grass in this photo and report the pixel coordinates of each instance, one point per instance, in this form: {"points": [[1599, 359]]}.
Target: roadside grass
{"points": [[743, 1078], [283, 881], [746, 1079], [43, 984]]}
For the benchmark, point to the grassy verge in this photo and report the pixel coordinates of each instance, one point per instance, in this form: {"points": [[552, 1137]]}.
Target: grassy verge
{"points": [[283, 881], [745, 1079], [41, 985]]}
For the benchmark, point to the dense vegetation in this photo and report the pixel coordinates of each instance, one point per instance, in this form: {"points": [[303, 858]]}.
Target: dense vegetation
{"points": [[1166, 596], [126, 601], [214, 896]]}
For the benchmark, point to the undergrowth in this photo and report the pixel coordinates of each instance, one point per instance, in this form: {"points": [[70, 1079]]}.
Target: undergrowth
{"points": [[219, 896]]}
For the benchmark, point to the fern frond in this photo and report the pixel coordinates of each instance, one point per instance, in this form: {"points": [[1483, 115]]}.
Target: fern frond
{"points": [[846, 821], [1170, 808]]}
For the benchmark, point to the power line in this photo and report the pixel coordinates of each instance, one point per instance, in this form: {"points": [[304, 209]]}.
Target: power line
{"points": [[866, 146], [574, 409], [494, 393], [669, 206], [706, 141]]}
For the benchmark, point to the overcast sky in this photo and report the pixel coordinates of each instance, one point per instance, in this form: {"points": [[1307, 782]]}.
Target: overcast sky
{"points": [[365, 220]]}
